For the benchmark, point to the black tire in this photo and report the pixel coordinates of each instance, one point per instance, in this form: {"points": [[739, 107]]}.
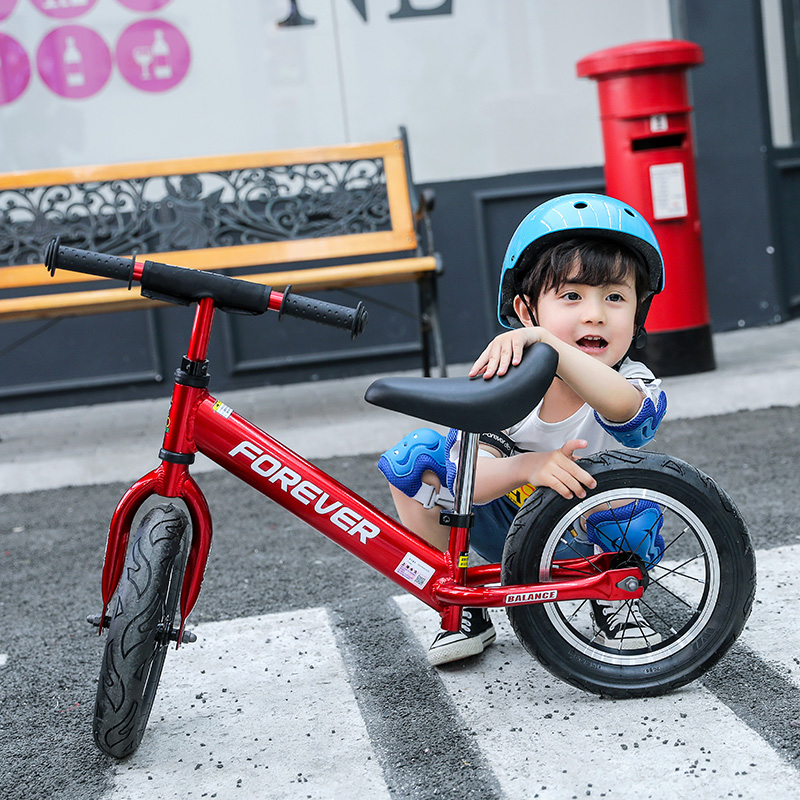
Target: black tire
{"points": [[697, 598], [143, 615]]}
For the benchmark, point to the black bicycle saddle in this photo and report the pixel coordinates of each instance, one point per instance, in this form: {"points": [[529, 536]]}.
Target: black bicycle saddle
{"points": [[472, 404]]}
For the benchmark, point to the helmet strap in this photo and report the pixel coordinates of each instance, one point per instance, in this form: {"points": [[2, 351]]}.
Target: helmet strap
{"points": [[522, 296], [530, 310], [640, 334]]}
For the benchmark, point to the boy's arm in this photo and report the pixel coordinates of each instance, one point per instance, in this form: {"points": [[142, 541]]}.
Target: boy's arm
{"points": [[603, 388], [610, 394], [640, 429], [557, 469]]}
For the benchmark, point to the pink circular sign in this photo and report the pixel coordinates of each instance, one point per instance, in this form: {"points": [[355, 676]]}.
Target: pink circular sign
{"points": [[74, 61], [6, 7], [15, 69], [144, 5], [63, 9], [153, 55]]}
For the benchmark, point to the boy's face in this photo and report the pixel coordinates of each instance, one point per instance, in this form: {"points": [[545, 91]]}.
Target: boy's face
{"points": [[598, 320]]}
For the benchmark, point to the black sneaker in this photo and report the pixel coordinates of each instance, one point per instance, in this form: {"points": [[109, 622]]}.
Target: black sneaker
{"points": [[476, 634], [620, 625]]}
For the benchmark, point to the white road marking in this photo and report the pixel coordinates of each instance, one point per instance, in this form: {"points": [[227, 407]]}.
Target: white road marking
{"points": [[3, 659], [263, 704], [257, 707], [772, 630], [543, 737]]}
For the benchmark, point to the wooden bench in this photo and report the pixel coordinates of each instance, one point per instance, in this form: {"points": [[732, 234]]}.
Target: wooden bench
{"points": [[314, 218]]}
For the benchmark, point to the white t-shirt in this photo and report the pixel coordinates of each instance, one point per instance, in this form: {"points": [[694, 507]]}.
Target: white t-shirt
{"points": [[532, 434]]}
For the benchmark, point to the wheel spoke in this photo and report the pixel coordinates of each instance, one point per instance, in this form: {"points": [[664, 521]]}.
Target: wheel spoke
{"points": [[624, 545], [574, 614], [676, 539], [656, 613], [677, 573], [571, 532], [677, 597], [572, 617]]}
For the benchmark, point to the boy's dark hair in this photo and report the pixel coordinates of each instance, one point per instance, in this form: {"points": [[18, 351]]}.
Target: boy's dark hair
{"points": [[598, 262]]}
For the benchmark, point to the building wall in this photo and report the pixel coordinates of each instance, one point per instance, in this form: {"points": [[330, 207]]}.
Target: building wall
{"points": [[497, 121], [484, 88], [744, 256]]}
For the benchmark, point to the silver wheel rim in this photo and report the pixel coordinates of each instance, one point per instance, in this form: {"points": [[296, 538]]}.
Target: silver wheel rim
{"points": [[693, 582]]}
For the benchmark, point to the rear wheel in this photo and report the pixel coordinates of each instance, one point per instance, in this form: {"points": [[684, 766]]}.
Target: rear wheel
{"points": [[696, 599], [142, 618]]}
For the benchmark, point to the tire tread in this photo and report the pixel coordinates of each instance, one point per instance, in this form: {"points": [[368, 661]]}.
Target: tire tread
{"points": [[124, 692]]}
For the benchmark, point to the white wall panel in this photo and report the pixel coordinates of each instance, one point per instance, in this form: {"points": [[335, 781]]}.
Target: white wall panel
{"points": [[487, 89]]}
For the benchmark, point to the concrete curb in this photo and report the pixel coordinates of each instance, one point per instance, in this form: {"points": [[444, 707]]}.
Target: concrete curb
{"points": [[756, 368]]}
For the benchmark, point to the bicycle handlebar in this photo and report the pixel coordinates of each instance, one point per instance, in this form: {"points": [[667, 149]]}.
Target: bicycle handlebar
{"points": [[185, 286]]}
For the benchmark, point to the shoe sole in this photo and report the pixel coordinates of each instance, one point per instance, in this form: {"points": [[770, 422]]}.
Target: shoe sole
{"points": [[629, 642], [463, 649]]}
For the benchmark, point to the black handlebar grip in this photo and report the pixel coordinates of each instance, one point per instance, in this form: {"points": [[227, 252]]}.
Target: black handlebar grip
{"points": [[88, 262], [184, 285], [349, 319]]}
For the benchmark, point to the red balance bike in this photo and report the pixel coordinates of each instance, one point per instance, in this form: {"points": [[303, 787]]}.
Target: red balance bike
{"points": [[697, 597]]}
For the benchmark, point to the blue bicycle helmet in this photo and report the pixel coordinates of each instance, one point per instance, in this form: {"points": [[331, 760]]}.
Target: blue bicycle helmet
{"points": [[560, 219]]}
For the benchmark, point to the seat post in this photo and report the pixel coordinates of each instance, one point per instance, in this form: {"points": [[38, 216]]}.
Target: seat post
{"points": [[464, 488], [460, 521]]}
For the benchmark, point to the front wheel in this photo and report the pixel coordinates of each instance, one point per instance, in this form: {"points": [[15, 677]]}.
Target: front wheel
{"points": [[698, 592], [139, 631]]}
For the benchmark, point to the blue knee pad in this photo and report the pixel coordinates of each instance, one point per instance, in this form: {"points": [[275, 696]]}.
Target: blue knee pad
{"points": [[630, 528], [420, 450]]}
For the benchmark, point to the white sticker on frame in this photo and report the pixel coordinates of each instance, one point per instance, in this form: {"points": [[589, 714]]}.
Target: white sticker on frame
{"points": [[414, 570]]}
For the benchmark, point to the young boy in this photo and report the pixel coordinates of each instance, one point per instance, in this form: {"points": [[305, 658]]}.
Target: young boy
{"points": [[579, 274]]}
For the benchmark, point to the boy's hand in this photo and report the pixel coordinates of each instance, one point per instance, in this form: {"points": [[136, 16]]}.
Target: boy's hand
{"points": [[558, 470], [503, 351]]}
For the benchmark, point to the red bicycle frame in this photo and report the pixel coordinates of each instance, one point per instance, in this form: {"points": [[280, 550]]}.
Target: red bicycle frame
{"points": [[442, 580]]}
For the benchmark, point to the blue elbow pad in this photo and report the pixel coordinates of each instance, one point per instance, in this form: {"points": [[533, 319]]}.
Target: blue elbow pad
{"points": [[642, 428], [420, 450]]}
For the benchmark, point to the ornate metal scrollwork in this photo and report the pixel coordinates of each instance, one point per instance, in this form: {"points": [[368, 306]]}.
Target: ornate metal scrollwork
{"points": [[199, 210]]}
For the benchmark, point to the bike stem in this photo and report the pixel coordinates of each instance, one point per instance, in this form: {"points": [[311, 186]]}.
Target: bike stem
{"points": [[190, 380], [201, 330]]}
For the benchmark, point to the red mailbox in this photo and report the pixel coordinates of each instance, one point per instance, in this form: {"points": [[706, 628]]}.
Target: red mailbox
{"points": [[649, 163]]}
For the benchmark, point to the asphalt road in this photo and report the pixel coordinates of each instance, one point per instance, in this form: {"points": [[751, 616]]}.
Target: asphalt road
{"points": [[419, 734]]}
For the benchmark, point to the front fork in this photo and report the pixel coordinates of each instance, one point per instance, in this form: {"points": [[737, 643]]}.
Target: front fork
{"points": [[168, 480]]}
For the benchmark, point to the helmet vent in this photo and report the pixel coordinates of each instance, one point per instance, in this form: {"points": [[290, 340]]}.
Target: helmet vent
{"points": [[581, 205], [628, 211]]}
